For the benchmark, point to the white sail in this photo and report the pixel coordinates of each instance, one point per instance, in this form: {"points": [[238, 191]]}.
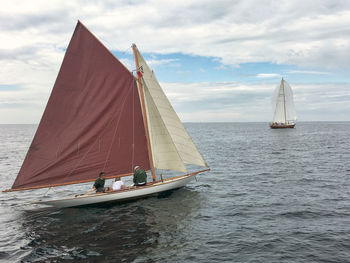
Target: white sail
{"points": [[282, 101], [164, 152], [172, 147]]}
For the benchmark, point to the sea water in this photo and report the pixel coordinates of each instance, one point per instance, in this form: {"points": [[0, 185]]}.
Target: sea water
{"points": [[271, 196]]}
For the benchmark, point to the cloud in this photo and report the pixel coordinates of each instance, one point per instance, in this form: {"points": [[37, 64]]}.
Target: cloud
{"points": [[209, 101], [314, 36], [233, 101], [290, 32], [158, 62], [20, 53], [309, 72], [31, 21], [268, 75]]}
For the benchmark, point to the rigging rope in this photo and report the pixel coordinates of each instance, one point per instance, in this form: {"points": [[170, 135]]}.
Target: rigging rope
{"points": [[47, 191]]}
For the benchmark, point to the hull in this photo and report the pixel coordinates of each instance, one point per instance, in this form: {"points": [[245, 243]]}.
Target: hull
{"points": [[281, 126], [122, 195]]}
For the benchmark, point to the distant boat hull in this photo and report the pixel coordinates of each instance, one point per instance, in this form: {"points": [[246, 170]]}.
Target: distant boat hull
{"points": [[281, 126], [123, 195]]}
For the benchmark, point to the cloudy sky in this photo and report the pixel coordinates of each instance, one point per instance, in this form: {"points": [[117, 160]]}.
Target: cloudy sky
{"points": [[216, 60]]}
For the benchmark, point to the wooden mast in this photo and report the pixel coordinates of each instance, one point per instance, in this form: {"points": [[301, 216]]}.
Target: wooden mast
{"points": [[144, 113], [284, 103]]}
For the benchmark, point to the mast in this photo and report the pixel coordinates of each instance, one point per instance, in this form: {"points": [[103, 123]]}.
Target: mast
{"points": [[144, 115], [284, 103]]}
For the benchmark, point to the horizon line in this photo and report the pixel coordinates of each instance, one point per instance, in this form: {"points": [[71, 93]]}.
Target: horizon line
{"points": [[206, 122]]}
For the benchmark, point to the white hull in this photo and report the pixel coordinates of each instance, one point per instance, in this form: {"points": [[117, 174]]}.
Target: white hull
{"points": [[131, 193]]}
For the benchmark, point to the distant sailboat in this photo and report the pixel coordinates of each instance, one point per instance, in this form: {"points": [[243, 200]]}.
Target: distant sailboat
{"points": [[284, 111], [101, 117]]}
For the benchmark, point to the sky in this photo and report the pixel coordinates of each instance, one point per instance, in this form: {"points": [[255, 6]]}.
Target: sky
{"points": [[216, 60]]}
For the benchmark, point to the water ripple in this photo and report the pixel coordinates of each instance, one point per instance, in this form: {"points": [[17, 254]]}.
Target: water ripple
{"points": [[271, 196]]}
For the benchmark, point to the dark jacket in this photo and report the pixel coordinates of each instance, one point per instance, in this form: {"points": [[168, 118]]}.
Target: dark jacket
{"points": [[140, 177], [99, 183]]}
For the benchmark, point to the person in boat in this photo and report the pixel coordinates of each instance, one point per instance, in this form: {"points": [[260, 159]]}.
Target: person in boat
{"points": [[99, 185], [140, 176], [118, 184]]}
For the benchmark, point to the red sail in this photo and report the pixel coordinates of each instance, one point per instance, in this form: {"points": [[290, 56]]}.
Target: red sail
{"points": [[92, 122]]}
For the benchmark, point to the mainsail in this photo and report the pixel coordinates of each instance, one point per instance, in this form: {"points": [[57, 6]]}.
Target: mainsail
{"points": [[92, 122], [172, 147], [282, 102]]}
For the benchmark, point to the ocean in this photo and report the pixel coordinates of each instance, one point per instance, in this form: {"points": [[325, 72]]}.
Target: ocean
{"points": [[271, 196]]}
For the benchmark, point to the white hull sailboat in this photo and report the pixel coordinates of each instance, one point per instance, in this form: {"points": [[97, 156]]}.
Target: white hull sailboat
{"points": [[283, 105], [121, 195], [102, 118]]}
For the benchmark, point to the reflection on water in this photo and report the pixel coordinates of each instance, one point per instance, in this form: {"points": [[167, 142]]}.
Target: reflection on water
{"points": [[120, 232]]}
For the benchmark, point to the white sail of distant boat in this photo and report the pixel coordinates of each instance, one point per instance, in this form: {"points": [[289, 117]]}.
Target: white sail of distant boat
{"points": [[283, 106], [101, 117]]}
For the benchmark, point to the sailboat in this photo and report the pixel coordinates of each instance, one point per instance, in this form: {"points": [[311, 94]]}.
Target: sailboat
{"points": [[284, 111], [102, 117]]}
